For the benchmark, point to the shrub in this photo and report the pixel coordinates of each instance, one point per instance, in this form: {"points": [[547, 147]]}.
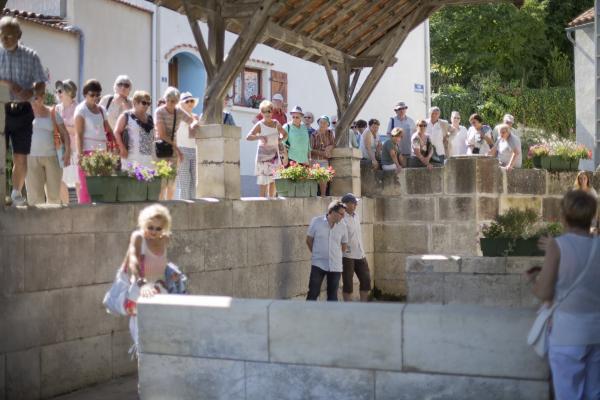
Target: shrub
{"points": [[519, 224]]}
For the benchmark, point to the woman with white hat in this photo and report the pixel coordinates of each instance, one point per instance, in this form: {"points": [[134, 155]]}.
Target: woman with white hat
{"points": [[298, 140], [186, 172]]}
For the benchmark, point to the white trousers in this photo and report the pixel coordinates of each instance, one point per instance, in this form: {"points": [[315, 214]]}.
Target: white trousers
{"points": [[575, 372]]}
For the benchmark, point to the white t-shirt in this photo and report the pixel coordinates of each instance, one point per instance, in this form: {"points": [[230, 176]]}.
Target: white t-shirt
{"points": [[436, 136], [505, 150], [94, 137], [459, 142], [475, 139], [42, 140], [183, 136]]}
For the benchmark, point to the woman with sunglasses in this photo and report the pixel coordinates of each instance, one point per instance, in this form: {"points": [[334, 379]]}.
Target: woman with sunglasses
{"points": [[91, 127], [118, 102], [422, 148], [139, 126], [66, 91]]}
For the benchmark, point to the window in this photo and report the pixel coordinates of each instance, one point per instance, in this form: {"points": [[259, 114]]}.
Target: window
{"points": [[247, 84]]}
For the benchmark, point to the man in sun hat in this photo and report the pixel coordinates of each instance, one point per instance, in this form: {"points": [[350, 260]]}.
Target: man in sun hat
{"points": [[354, 260], [298, 138], [407, 124], [278, 113]]}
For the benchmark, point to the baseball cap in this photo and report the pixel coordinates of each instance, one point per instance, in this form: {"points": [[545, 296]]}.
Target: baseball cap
{"points": [[349, 198]]}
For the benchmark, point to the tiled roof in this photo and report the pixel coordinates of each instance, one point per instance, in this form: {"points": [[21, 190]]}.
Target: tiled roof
{"points": [[41, 19], [583, 19]]}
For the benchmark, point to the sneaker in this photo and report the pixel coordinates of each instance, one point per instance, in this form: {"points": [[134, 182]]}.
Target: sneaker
{"points": [[17, 199]]}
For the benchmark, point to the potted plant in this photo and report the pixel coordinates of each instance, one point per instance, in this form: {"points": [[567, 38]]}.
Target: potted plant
{"points": [[320, 174], [559, 154], [290, 181], [255, 100], [536, 152], [515, 233], [164, 171], [133, 186], [100, 167]]}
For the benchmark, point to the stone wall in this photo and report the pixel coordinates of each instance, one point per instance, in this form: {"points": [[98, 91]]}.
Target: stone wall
{"points": [[261, 349], [441, 211], [57, 263]]}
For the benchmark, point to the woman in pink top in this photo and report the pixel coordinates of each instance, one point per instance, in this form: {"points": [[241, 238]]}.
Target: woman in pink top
{"points": [[66, 91]]}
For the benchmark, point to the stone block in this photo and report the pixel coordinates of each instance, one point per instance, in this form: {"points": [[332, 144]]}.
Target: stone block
{"points": [[551, 208], [252, 213], [519, 265], [521, 202], [109, 253], [367, 237], [348, 184], [409, 386], [97, 218], [425, 288], [371, 182], [210, 214], [83, 315], [366, 211], [454, 239], [12, 265], [186, 378], [456, 208], [423, 181], [72, 365], [218, 180], [440, 240], [389, 265], [297, 382], [288, 280], [218, 283], [391, 184], [251, 282], [187, 249], [122, 364], [30, 319], [461, 175], [489, 175], [486, 290], [470, 340], [313, 206], [230, 328], [295, 329], [487, 208], [401, 238], [49, 261], [526, 181], [225, 249], [483, 265], [217, 131], [405, 209], [48, 219], [560, 182], [275, 245], [219, 150], [433, 263], [23, 374], [396, 287]]}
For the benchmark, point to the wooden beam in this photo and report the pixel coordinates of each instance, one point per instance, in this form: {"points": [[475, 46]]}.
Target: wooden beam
{"points": [[352, 87], [348, 10], [303, 43], [313, 16], [343, 74], [216, 37], [298, 15], [233, 65], [395, 39], [369, 61], [206, 58], [334, 86]]}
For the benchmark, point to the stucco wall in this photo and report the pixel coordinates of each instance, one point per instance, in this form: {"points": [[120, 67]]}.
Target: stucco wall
{"points": [[585, 90], [296, 350]]}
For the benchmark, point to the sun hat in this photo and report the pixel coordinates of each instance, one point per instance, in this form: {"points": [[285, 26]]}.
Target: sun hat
{"points": [[297, 110], [325, 117], [277, 96], [400, 105], [185, 96]]}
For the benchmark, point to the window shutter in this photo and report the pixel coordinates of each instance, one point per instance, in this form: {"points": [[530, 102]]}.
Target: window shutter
{"points": [[279, 85]]}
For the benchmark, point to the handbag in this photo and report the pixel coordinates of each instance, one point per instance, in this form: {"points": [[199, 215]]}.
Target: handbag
{"points": [[538, 334], [122, 292], [111, 142], [162, 148]]}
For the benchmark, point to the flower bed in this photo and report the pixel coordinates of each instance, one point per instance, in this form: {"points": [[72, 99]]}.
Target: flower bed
{"points": [[558, 155]]}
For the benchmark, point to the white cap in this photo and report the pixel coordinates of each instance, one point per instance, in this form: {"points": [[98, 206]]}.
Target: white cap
{"points": [[277, 96], [508, 118]]}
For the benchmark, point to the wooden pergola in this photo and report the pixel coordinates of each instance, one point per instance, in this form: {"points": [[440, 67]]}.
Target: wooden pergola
{"points": [[345, 36]]}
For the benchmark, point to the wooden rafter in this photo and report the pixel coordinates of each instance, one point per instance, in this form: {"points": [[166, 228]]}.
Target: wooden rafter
{"points": [[332, 83], [347, 12], [312, 17], [301, 11], [200, 43]]}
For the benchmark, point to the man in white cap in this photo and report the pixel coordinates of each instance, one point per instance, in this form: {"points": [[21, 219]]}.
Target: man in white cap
{"points": [[278, 113], [407, 124], [509, 120]]}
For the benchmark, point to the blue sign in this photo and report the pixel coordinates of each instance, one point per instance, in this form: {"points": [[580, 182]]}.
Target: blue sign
{"points": [[419, 88]]}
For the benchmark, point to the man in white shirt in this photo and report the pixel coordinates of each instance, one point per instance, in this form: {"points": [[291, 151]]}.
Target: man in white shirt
{"points": [[438, 131], [354, 260], [327, 239]]}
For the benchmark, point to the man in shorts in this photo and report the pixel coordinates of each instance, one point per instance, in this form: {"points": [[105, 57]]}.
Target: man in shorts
{"points": [[354, 260], [21, 70]]}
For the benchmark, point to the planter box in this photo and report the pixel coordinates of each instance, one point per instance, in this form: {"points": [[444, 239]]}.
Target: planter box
{"points": [[130, 189], [499, 247], [556, 163], [154, 189], [288, 188], [537, 161], [285, 187], [102, 189]]}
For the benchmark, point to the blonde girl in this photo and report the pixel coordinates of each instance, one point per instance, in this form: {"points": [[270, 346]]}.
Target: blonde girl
{"points": [[583, 183]]}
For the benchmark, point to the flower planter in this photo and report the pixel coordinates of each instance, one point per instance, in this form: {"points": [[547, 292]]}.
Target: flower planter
{"points": [[289, 188], [102, 189], [500, 247], [545, 162], [314, 189], [154, 189], [537, 161], [556, 163], [574, 165], [303, 188], [130, 189], [285, 187]]}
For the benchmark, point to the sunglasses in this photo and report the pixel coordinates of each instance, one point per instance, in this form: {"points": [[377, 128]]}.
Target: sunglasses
{"points": [[145, 103], [154, 228], [423, 125], [59, 91], [189, 101], [308, 117], [295, 117], [266, 111], [124, 84], [94, 94]]}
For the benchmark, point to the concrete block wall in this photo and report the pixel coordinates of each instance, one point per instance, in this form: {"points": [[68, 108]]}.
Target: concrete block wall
{"points": [[57, 263], [269, 349], [441, 211], [488, 281]]}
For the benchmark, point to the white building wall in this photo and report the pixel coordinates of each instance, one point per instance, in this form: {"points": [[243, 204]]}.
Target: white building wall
{"points": [[585, 94], [47, 7]]}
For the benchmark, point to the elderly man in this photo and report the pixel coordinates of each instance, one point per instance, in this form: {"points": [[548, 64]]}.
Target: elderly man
{"points": [[406, 123], [308, 120], [509, 120], [22, 71], [507, 148], [354, 260], [278, 113], [327, 240], [439, 131]]}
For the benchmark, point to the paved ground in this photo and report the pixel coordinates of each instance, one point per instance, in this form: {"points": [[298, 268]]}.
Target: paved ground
{"points": [[119, 389]]}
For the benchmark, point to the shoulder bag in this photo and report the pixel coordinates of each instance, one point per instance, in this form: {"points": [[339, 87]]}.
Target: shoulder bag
{"points": [[122, 290], [111, 143], [538, 334], [162, 148]]}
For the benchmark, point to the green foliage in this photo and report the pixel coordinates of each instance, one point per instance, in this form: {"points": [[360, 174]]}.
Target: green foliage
{"points": [[100, 163], [164, 169], [520, 224]]}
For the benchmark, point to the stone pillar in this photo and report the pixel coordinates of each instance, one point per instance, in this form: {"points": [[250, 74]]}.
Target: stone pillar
{"points": [[346, 162], [4, 97], [218, 161]]}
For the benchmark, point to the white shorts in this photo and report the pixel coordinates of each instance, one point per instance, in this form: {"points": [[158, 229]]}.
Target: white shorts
{"points": [[265, 172]]}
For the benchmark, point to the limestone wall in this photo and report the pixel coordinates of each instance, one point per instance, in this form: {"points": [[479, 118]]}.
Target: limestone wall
{"points": [[263, 349], [441, 211], [57, 263]]}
